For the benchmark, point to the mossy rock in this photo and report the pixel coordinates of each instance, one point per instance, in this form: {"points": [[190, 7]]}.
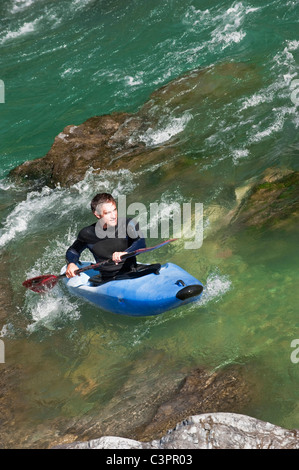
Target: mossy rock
{"points": [[273, 203]]}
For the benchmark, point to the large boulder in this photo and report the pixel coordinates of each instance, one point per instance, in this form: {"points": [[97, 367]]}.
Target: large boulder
{"points": [[207, 431], [123, 140]]}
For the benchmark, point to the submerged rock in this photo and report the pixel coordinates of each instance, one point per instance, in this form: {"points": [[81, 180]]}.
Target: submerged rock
{"points": [[207, 431], [74, 150], [231, 388], [271, 203], [123, 140], [201, 392]]}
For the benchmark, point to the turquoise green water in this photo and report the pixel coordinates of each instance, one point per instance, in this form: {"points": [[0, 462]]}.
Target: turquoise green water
{"points": [[63, 62]]}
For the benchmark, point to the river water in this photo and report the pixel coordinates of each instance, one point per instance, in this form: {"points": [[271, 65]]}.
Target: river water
{"points": [[69, 364]]}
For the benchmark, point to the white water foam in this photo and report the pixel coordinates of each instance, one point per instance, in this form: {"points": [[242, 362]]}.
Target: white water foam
{"points": [[225, 27], [54, 308], [239, 154], [51, 311], [275, 126], [70, 72], [167, 208], [24, 218], [24, 214], [216, 286], [258, 98], [6, 185], [77, 4], [19, 5], [7, 331], [165, 131], [284, 68], [25, 29], [134, 81]]}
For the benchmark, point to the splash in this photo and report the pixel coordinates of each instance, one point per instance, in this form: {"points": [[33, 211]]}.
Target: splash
{"points": [[51, 311], [25, 29], [19, 5], [165, 131], [28, 214], [225, 27], [216, 286], [134, 81], [25, 214]]}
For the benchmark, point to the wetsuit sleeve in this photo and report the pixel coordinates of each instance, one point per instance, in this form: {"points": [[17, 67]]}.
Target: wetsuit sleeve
{"points": [[140, 243], [73, 253], [135, 236]]}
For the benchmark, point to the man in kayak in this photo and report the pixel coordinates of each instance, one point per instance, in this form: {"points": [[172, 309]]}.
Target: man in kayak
{"points": [[108, 240]]}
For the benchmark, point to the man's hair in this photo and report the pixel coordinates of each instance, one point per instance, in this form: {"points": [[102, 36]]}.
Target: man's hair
{"points": [[101, 198]]}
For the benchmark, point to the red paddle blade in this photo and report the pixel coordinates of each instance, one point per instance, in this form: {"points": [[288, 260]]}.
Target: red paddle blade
{"points": [[41, 284]]}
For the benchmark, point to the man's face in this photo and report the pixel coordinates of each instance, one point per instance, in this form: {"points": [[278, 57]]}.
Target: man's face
{"points": [[108, 214]]}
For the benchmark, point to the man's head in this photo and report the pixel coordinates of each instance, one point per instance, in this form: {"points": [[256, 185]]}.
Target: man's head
{"points": [[103, 205]]}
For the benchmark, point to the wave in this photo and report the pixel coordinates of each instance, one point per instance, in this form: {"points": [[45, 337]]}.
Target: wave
{"points": [[54, 309], [47, 16], [277, 124], [239, 154], [224, 27], [134, 81], [6, 185], [51, 311], [284, 68], [26, 28], [40, 207], [216, 286], [20, 5], [25, 214], [165, 130]]}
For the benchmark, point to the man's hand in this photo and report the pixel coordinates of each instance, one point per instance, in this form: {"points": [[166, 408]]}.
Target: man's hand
{"points": [[70, 270], [116, 257]]}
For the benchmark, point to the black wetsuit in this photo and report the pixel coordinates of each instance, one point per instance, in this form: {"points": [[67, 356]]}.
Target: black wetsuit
{"points": [[124, 237]]}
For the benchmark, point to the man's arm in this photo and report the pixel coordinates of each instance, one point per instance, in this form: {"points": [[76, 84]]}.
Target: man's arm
{"points": [[72, 257], [135, 237]]}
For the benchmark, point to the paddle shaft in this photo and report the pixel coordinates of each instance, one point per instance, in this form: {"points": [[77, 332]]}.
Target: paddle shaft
{"points": [[123, 257], [102, 263], [45, 282]]}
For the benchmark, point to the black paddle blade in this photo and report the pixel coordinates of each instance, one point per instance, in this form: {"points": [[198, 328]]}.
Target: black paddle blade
{"points": [[41, 284]]}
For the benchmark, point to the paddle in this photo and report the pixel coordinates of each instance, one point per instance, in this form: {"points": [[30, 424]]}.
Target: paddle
{"points": [[41, 284]]}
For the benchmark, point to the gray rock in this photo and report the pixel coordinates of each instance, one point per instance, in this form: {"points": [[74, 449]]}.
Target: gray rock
{"points": [[207, 431]]}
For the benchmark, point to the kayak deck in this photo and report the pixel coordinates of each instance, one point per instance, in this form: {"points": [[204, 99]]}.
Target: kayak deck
{"points": [[151, 294]]}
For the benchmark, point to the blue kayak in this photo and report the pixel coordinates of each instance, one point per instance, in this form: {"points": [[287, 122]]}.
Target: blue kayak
{"points": [[151, 294]]}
